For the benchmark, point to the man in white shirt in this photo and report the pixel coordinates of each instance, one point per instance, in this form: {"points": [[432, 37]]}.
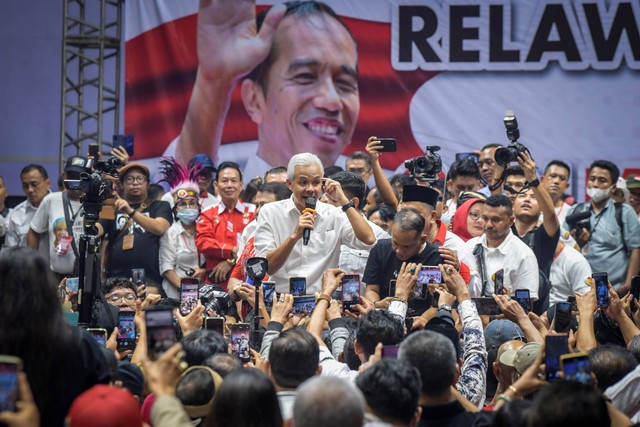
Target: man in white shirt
{"points": [[35, 184], [281, 225], [569, 272], [501, 249], [556, 181]]}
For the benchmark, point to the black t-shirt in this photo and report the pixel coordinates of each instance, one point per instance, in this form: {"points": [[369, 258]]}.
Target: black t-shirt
{"points": [[542, 245], [383, 266], [146, 246]]}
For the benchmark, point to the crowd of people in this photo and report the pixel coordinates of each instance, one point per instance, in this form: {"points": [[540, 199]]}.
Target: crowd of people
{"points": [[561, 345]]}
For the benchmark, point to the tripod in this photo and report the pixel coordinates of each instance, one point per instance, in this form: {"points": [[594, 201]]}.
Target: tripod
{"points": [[88, 274], [256, 270]]}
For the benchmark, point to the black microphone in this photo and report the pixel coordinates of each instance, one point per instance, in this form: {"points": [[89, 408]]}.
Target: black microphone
{"points": [[309, 206]]}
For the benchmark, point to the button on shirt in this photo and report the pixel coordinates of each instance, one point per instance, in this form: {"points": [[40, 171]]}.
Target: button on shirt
{"points": [[605, 251], [516, 258], [332, 228]]}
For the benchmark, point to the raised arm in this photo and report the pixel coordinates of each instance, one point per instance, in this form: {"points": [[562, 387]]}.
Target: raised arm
{"points": [[550, 222], [382, 183]]}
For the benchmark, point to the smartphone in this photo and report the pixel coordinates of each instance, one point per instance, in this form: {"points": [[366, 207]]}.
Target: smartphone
{"points": [[499, 282], [571, 299], [562, 316], [188, 295], [602, 289], [487, 306], [635, 290], [392, 287], [100, 335], [9, 368], [94, 151], [268, 292], [388, 145], [555, 346], [125, 141], [138, 276], [523, 296], [126, 331], [298, 286], [467, 156], [72, 283], [161, 334], [350, 291], [215, 324], [240, 341], [390, 351], [304, 305], [576, 367], [428, 274]]}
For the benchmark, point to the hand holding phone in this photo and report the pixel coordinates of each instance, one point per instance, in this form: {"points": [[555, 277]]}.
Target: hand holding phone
{"points": [[562, 316], [161, 334], [9, 368], [602, 289], [350, 291], [499, 282], [126, 331], [188, 295], [298, 286], [523, 296], [240, 341], [555, 346]]}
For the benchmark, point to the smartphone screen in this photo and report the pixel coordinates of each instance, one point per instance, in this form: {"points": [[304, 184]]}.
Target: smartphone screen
{"points": [[94, 151], [524, 299], [388, 145], [576, 367], [635, 290], [555, 346], [487, 306], [304, 305], [428, 274], [99, 334], [72, 283], [268, 291], [602, 288], [215, 324], [9, 368], [298, 286], [467, 156], [240, 341], [125, 141], [138, 276], [499, 282], [390, 351], [392, 287], [562, 316], [126, 331], [350, 291], [160, 332], [188, 295]]}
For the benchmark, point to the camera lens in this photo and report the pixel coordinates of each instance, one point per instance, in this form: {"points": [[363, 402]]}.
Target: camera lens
{"points": [[505, 155]]}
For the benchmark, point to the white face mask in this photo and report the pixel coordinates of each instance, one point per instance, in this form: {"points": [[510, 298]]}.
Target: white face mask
{"points": [[598, 194]]}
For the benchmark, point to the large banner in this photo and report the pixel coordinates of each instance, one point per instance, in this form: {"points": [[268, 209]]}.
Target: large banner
{"points": [[429, 73]]}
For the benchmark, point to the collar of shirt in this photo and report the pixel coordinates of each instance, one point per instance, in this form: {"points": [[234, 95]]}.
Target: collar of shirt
{"points": [[240, 207], [503, 246]]}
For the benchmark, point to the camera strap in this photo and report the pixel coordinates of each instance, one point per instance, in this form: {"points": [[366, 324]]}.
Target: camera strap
{"points": [[66, 205], [478, 253], [129, 222]]}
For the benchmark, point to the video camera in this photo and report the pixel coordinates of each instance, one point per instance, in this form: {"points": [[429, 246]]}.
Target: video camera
{"points": [[214, 298], [578, 221], [427, 167], [95, 188], [510, 153]]}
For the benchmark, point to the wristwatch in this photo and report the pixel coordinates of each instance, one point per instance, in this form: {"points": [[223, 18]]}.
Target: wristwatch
{"points": [[445, 307], [348, 205]]}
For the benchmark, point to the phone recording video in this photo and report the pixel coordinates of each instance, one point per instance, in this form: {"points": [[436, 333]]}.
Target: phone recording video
{"points": [[428, 275], [215, 324], [188, 295], [388, 145], [576, 367], [487, 306], [99, 334], [126, 331], [635, 291], [298, 286], [555, 346], [392, 287], [72, 283], [602, 289], [138, 276], [350, 291], [562, 316], [268, 292], [161, 334], [303, 305], [523, 297], [9, 368], [240, 341], [124, 141], [499, 282]]}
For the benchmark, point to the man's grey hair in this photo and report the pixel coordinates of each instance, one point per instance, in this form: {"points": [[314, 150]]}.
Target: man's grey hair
{"points": [[328, 402], [303, 159], [409, 219], [434, 356]]}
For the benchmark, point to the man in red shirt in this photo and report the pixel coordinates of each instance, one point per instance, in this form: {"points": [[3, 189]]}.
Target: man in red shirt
{"points": [[220, 227]]}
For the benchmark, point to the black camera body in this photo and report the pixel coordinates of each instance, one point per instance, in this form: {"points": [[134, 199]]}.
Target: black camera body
{"points": [[427, 167], [216, 299], [578, 221], [510, 153]]}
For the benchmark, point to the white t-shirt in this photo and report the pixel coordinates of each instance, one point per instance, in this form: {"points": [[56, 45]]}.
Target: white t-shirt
{"points": [[50, 218], [569, 271]]}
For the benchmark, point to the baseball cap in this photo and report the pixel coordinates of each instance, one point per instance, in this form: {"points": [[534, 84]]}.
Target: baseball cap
{"points": [[203, 159], [500, 331], [126, 168], [104, 406], [444, 325], [418, 193], [525, 356], [131, 377], [633, 181], [76, 164]]}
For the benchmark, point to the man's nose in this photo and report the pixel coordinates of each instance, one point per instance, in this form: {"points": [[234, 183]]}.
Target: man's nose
{"points": [[328, 97]]}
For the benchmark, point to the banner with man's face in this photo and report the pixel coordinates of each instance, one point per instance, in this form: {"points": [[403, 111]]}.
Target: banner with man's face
{"points": [[429, 73]]}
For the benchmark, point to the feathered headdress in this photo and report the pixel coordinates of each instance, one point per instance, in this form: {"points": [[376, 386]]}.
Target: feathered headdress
{"points": [[182, 180]]}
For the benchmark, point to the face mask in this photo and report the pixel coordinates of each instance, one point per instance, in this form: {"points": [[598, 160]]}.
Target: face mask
{"points": [[598, 194], [188, 216]]}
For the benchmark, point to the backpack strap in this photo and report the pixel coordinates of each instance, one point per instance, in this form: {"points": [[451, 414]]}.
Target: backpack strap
{"points": [[618, 206]]}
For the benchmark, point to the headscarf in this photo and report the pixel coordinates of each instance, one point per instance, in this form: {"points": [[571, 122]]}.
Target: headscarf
{"points": [[459, 220]]}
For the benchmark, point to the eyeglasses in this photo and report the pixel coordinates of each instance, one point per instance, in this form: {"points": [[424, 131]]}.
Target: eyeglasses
{"points": [[359, 171], [140, 179], [127, 298], [474, 216], [187, 204]]}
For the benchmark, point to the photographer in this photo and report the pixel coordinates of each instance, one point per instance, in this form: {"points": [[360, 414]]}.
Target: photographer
{"points": [[134, 236]]}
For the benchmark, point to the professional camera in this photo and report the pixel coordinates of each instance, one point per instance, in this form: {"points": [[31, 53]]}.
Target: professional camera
{"points": [[215, 298], [578, 221], [510, 153], [425, 168]]}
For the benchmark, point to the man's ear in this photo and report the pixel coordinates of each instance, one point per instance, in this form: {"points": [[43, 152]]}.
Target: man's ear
{"points": [[319, 370], [357, 348], [416, 416], [267, 368], [253, 99]]}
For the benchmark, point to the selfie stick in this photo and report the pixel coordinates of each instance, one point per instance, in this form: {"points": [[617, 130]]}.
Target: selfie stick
{"points": [[256, 269]]}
